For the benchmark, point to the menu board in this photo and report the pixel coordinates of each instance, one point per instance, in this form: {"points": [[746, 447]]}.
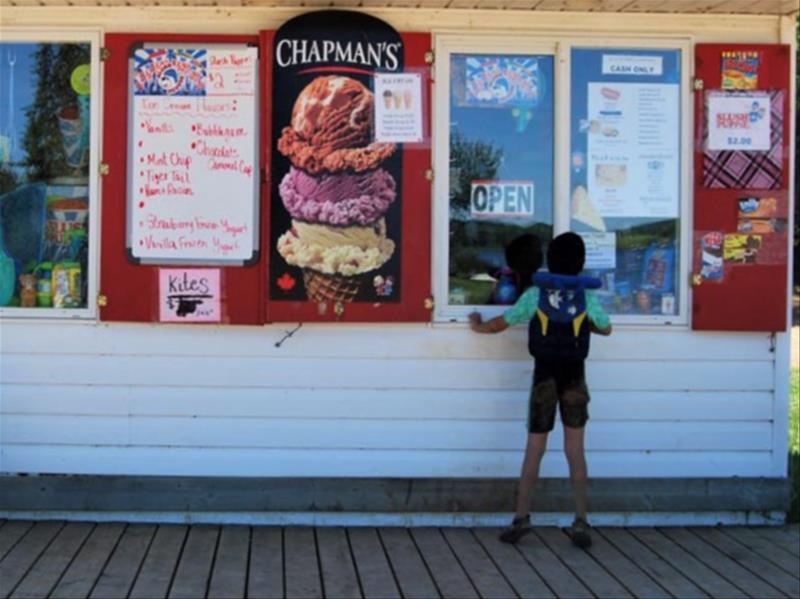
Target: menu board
{"points": [[626, 134], [193, 170]]}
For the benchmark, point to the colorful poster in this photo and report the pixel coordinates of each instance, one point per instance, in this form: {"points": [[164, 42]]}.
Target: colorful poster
{"points": [[193, 175], [189, 295], [398, 107], [711, 264], [739, 121], [742, 168], [335, 227], [742, 249], [739, 70], [502, 82]]}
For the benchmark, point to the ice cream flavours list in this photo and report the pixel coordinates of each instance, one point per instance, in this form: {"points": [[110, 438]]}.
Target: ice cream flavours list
{"points": [[193, 176], [633, 149]]}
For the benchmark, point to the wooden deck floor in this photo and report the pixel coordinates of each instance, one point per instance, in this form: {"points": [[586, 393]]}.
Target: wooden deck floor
{"points": [[78, 559]]}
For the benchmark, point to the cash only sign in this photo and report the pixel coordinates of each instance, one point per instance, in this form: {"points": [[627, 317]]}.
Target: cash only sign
{"points": [[336, 192]]}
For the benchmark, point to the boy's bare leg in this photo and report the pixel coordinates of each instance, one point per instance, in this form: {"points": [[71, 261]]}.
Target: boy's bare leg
{"points": [[534, 451], [578, 472]]}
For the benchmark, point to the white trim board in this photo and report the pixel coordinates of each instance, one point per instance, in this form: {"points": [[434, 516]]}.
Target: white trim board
{"points": [[410, 519]]}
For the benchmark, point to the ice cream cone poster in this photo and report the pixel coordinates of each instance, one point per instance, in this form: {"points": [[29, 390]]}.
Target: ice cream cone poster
{"points": [[335, 222]]}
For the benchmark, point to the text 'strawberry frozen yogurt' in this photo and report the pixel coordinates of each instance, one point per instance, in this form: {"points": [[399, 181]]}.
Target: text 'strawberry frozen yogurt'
{"points": [[332, 128]]}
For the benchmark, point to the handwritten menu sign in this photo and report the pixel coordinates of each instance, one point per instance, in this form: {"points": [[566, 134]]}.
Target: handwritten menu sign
{"points": [[189, 295], [193, 174]]}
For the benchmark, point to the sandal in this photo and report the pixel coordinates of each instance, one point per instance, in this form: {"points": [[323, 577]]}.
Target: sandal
{"points": [[579, 533], [518, 528]]}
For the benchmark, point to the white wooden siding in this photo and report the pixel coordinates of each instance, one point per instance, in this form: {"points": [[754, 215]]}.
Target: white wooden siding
{"points": [[380, 400], [367, 400]]}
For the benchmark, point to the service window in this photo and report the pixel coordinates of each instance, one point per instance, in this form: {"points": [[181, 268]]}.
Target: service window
{"points": [[48, 174], [627, 177], [495, 171]]}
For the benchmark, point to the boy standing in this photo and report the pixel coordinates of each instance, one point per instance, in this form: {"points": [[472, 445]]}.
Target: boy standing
{"points": [[558, 378]]}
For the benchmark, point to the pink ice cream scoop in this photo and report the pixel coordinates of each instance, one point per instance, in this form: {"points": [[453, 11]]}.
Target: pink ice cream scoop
{"points": [[340, 200]]}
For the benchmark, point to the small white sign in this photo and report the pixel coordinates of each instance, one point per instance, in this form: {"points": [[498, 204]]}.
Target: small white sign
{"points": [[623, 64], [494, 199], [601, 249], [398, 107], [739, 122]]}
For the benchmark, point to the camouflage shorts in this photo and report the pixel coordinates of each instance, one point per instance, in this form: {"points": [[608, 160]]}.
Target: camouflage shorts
{"points": [[563, 388]]}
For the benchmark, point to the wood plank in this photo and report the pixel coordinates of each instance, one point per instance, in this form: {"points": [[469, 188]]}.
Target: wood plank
{"points": [[18, 561], [229, 576], [462, 404], [770, 551], [593, 576], [519, 573], [374, 572], [155, 576], [557, 576], [11, 533], [84, 570], [194, 568], [715, 559], [625, 570], [695, 570], [212, 461], [488, 580], [787, 537], [447, 572], [47, 570], [300, 562], [755, 563], [339, 577], [410, 572], [357, 433], [251, 371], [120, 573], [655, 567], [265, 579]]}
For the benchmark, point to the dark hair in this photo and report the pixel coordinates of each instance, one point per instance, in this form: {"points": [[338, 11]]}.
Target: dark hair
{"points": [[524, 257], [566, 254]]}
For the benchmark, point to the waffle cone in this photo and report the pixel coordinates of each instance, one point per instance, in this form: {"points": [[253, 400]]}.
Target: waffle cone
{"points": [[322, 287]]}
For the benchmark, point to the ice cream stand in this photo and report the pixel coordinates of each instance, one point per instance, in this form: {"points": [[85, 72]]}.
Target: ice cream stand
{"points": [[252, 262]]}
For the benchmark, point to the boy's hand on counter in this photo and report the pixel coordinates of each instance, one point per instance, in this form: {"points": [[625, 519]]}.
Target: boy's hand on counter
{"points": [[475, 320], [495, 325]]}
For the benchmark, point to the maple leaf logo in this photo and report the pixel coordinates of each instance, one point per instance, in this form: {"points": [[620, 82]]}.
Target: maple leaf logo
{"points": [[286, 282]]}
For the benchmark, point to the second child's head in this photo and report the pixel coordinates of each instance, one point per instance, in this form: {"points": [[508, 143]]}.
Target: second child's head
{"points": [[566, 254], [524, 254]]}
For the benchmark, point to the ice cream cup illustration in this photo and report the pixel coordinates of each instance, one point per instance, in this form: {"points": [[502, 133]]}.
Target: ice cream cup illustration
{"points": [[398, 99], [387, 99], [408, 99], [76, 150]]}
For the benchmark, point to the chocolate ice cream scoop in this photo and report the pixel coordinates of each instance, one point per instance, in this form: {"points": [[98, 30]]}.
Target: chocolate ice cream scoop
{"points": [[332, 127]]}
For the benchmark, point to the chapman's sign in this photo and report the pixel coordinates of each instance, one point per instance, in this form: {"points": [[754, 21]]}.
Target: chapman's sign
{"points": [[499, 198], [384, 56]]}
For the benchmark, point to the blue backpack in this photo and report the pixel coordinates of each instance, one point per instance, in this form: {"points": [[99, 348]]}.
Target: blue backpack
{"points": [[559, 329]]}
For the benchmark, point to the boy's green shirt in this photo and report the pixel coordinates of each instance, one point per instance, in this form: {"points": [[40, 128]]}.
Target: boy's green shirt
{"points": [[526, 305]]}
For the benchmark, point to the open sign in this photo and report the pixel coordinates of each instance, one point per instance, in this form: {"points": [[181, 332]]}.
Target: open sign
{"points": [[501, 199]]}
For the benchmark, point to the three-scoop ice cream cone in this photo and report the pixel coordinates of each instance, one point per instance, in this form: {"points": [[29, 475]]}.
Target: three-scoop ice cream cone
{"points": [[335, 191]]}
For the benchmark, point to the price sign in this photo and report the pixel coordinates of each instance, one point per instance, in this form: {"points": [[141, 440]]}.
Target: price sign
{"points": [[739, 121]]}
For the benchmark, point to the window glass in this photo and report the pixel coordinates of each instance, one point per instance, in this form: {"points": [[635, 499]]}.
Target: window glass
{"points": [[501, 165], [625, 174], [44, 168]]}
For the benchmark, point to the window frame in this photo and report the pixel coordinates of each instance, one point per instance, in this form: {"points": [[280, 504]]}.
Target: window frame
{"points": [[561, 49], [445, 46], [93, 37]]}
